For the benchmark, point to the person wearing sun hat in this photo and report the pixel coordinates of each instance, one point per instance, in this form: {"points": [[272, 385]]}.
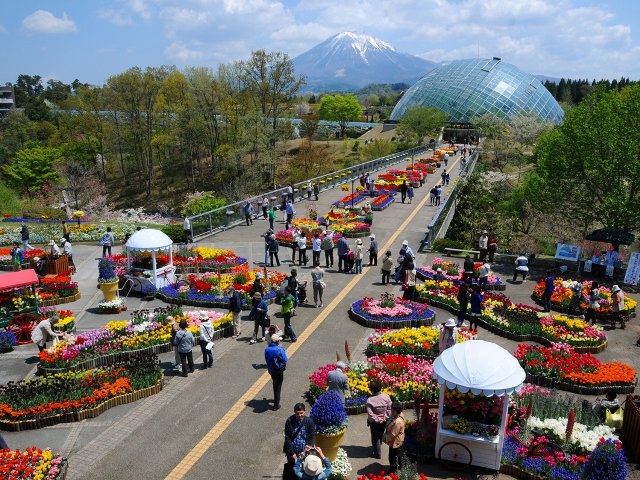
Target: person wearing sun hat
{"points": [[448, 335], [206, 337], [359, 256], [312, 465], [617, 302]]}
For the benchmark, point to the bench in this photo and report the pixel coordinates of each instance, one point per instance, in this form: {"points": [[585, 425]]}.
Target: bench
{"points": [[461, 251]]}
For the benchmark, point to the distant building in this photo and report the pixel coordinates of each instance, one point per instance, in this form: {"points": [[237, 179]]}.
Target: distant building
{"points": [[7, 100], [465, 89]]}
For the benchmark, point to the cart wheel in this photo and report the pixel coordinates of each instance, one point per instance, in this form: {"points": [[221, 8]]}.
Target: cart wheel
{"points": [[455, 455], [22, 325]]}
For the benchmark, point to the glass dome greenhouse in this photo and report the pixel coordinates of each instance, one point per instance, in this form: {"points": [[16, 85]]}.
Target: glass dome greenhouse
{"points": [[465, 89]]}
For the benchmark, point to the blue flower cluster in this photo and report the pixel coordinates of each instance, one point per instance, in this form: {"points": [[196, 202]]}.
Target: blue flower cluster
{"points": [[7, 339], [606, 461], [328, 413], [358, 400]]}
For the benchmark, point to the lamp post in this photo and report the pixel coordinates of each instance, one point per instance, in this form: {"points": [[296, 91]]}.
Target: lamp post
{"points": [[353, 180]]}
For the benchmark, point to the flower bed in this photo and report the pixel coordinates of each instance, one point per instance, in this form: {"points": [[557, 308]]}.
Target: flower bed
{"points": [[403, 377], [353, 198], [381, 202], [561, 367], [6, 263], [420, 342], [203, 259], [62, 397], [428, 275], [390, 312], [208, 289], [32, 464], [522, 322], [563, 294], [118, 339], [285, 237]]}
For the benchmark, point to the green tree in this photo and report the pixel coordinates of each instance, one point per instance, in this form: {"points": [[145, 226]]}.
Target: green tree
{"points": [[591, 164], [33, 168], [340, 108], [420, 121]]}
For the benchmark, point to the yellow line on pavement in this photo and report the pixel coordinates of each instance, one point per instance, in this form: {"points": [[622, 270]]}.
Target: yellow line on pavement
{"points": [[190, 459]]}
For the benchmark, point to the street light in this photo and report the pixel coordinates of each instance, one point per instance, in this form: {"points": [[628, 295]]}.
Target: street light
{"points": [[353, 180]]}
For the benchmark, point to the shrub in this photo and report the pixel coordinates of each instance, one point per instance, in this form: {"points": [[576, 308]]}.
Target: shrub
{"points": [[606, 461], [174, 232], [201, 202]]}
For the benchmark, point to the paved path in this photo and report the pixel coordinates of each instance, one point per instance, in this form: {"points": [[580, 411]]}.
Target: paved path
{"points": [[218, 423]]}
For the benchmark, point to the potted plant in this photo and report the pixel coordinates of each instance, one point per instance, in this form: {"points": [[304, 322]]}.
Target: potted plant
{"points": [[7, 341], [107, 279], [330, 417], [149, 291]]}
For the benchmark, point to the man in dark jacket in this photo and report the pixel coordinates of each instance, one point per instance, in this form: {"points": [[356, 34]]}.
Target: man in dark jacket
{"points": [[235, 307], [299, 431], [343, 250]]}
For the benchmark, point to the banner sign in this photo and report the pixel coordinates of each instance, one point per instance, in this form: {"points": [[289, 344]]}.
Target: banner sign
{"points": [[633, 269], [570, 253]]}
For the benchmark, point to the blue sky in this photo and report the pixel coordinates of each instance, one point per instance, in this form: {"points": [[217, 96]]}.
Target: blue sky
{"points": [[93, 39]]}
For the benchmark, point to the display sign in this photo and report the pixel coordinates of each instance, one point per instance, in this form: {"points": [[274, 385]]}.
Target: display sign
{"points": [[570, 253], [633, 269]]}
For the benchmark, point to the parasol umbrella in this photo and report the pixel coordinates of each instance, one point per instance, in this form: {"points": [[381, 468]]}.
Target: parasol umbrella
{"points": [[608, 235]]}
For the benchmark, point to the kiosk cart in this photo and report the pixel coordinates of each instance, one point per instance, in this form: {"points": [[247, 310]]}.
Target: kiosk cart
{"points": [[151, 242], [476, 379], [21, 322]]}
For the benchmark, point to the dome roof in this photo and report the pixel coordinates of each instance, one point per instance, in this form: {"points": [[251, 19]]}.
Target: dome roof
{"points": [[465, 89], [149, 239]]}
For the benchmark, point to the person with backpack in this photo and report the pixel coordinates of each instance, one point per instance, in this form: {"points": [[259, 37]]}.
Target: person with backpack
{"points": [[235, 307], [327, 246], [107, 242]]}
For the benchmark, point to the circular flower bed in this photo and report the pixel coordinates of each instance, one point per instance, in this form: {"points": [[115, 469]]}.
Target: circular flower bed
{"points": [[390, 312], [208, 289], [563, 294], [582, 372], [419, 342], [455, 275]]}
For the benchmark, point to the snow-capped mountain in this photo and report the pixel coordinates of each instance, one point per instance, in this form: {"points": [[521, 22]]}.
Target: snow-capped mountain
{"points": [[350, 61]]}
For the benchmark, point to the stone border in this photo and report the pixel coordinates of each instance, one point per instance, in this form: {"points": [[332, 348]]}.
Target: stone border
{"points": [[111, 358], [79, 415], [59, 301], [394, 324], [517, 472]]}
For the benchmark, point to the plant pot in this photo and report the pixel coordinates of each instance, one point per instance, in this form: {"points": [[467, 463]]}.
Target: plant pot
{"points": [[329, 443], [109, 290]]}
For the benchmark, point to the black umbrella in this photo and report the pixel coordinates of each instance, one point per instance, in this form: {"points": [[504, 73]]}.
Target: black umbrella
{"points": [[615, 237]]}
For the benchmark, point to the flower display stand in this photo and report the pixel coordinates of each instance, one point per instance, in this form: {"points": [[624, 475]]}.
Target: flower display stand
{"points": [[109, 290], [59, 301], [329, 443]]}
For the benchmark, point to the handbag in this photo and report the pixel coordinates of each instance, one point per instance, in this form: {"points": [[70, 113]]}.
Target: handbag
{"points": [[323, 284], [209, 345]]}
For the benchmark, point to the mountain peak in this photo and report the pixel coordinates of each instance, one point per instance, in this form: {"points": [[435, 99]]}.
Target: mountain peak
{"points": [[349, 61]]}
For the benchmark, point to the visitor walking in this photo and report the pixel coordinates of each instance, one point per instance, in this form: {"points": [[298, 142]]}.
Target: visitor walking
{"points": [[327, 246], [318, 284], [24, 234], [272, 217], [394, 437], [463, 296], [299, 431], [206, 340], [316, 248], [359, 256], [235, 307], [483, 275], [594, 302], [549, 288], [316, 191], [273, 249], [373, 250], [286, 308], [483, 245], [107, 240], [248, 213], [184, 344], [387, 265], [265, 207], [476, 307], [260, 317], [410, 193], [276, 359], [186, 227], [448, 335], [17, 257], [337, 380], [343, 250], [403, 190], [378, 413]]}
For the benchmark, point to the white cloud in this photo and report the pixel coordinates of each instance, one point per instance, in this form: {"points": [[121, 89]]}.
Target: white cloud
{"points": [[181, 53], [43, 21], [127, 12]]}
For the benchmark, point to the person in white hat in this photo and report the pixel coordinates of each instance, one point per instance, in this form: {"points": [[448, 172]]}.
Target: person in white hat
{"points": [[373, 250], [359, 256], [617, 300], [448, 335], [312, 464], [55, 250]]}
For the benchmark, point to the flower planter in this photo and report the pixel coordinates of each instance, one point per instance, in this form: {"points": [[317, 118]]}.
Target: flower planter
{"points": [[373, 323], [109, 290], [329, 443], [631, 426], [59, 301]]}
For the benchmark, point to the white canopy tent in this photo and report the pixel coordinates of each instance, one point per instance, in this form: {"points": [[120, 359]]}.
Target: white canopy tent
{"points": [[154, 241], [482, 368]]}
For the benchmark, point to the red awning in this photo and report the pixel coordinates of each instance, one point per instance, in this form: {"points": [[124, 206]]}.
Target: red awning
{"points": [[18, 279]]}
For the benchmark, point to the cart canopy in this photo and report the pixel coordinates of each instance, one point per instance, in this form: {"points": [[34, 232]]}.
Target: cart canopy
{"points": [[18, 279], [479, 366], [149, 240]]}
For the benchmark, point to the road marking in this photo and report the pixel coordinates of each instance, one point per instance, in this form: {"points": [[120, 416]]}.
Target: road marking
{"points": [[190, 459]]}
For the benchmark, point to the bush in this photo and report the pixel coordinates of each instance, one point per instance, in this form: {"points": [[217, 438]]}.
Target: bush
{"points": [[201, 202], [442, 243], [174, 232], [32, 210], [9, 200]]}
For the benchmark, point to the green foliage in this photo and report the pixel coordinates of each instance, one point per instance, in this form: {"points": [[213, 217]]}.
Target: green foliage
{"points": [[421, 121], [32, 168], [9, 200], [340, 108], [202, 202], [174, 232], [442, 243]]}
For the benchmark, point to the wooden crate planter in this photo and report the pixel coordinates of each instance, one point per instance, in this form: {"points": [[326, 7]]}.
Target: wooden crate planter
{"points": [[631, 427], [59, 301]]}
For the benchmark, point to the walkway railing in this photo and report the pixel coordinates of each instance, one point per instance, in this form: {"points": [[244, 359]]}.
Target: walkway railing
{"points": [[230, 215], [439, 225]]}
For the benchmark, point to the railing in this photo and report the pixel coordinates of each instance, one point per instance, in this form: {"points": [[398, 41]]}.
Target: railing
{"points": [[439, 225], [230, 215]]}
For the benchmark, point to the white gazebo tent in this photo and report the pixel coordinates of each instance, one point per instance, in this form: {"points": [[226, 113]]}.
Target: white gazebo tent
{"points": [[478, 367], [154, 241]]}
